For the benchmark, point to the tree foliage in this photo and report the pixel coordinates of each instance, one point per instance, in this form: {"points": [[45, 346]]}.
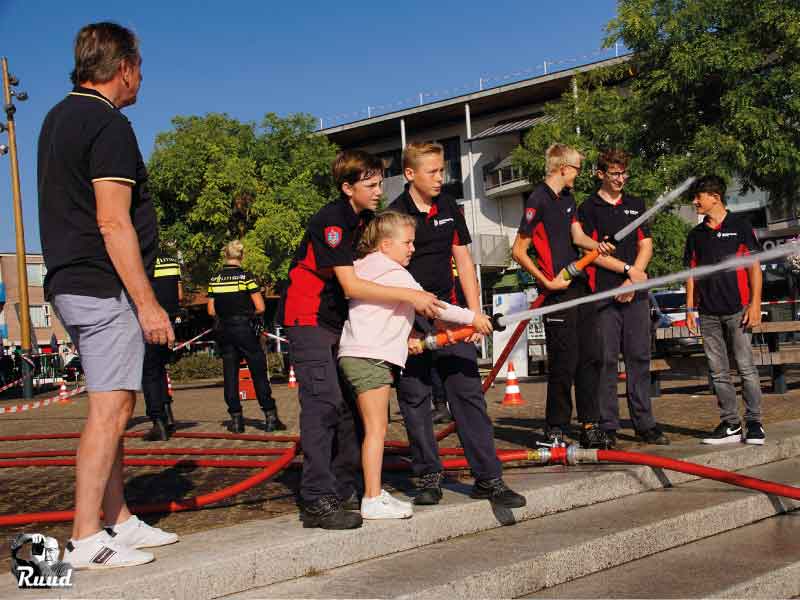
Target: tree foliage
{"points": [[215, 179]]}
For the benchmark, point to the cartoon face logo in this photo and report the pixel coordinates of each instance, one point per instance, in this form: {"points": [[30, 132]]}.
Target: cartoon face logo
{"points": [[529, 214], [333, 236]]}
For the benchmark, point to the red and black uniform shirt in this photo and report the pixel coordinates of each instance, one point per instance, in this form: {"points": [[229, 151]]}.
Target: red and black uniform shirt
{"points": [[314, 295], [547, 219], [601, 220], [438, 230], [728, 292]]}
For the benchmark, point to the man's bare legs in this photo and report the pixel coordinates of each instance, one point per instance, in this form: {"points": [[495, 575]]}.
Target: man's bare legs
{"points": [[98, 465]]}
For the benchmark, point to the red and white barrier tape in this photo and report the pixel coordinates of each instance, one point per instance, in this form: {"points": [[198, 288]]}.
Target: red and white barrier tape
{"points": [[41, 403], [187, 342]]}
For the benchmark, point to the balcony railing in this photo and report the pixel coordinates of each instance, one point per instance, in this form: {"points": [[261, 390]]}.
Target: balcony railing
{"points": [[502, 176]]}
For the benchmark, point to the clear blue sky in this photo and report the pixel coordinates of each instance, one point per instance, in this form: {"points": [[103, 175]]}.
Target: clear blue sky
{"points": [[248, 57]]}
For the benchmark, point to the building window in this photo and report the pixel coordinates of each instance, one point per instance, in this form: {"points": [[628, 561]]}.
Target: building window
{"points": [[40, 316], [452, 167], [392, 162], [36, 273]]}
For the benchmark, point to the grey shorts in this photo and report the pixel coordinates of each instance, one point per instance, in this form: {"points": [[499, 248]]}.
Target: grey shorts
{"points": [[108, 337]]}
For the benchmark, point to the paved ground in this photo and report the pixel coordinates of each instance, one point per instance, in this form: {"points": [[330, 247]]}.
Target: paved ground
{"points": [[685, 411]]}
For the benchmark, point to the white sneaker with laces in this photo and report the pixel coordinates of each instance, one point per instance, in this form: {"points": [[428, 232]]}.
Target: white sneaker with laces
{"points": [[385, 506], [100, 551], [135, 533]]}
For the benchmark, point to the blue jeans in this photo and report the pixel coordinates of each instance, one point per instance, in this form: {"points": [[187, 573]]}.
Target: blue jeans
{"points": [[719, 332]]}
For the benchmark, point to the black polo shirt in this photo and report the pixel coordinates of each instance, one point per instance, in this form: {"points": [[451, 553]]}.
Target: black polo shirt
{"points": [[438, 230], [231, 289], [727, 292], [84, 139], [314, 295], [601, 219], [547, 220], [166, 279]]}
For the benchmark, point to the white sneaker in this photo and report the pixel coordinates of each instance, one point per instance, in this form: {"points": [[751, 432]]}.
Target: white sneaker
{"points": [[100, 551], [385, 506], [135, 533]]}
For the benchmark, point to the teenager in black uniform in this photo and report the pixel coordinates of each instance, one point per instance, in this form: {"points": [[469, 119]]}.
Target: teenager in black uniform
{"points": [[549, 224], [442, 234], [235, 298], [167, 287], [313, 310]]}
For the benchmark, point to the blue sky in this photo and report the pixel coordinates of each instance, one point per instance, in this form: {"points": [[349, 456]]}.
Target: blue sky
{"points": [[248, 57]]}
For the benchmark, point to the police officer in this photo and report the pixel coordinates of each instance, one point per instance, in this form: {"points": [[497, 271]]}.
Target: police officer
{"points": [[441, 234], [313, 310], [167, 287], [235, 298]]}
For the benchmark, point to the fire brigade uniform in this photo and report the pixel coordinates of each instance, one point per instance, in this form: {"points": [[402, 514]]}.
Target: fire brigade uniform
{"points": [[166, 279], [231, 289], [313, 310]]}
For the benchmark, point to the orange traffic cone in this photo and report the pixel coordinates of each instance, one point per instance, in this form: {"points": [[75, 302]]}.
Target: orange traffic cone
{"points": [[169, 385], [512, 397], [62, 391], [292, 378]]}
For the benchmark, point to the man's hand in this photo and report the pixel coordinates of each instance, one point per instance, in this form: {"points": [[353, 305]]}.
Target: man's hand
{"points": [[752, 316], [556, 284], [606, 248], [427, 304], [156, 325], [482, 324], [636, 275], [415, 344], [691, 320], [627, 296]]}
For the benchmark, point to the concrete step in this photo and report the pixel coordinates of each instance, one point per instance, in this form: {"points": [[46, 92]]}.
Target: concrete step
{"points": [[256, 554], [541, 553], [757, 561]]}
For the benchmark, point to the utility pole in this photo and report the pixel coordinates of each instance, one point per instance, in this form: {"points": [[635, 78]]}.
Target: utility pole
{"points": [[10, 81]]}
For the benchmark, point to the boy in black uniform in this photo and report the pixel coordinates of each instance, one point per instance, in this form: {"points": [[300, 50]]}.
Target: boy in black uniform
{"points": [[166, 283], [313, 310], [549, 223], [624, 321], [441, 234], [728, 303]]}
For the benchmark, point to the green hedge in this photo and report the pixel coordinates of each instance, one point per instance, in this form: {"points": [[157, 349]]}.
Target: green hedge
{"points": [[206, 366]]}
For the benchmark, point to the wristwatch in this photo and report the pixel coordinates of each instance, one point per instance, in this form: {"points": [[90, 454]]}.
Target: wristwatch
{"points": [[626, 269]]}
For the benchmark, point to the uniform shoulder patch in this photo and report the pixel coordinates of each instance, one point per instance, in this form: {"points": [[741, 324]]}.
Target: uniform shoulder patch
{"points": [[333, 235], [529, 214]]}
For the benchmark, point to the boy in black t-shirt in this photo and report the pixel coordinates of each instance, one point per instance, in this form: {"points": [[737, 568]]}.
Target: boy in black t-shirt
{"points": [[728, 303]]}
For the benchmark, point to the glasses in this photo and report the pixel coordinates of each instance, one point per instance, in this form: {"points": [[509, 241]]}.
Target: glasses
{"points": [[576, 167], [617, 174]]}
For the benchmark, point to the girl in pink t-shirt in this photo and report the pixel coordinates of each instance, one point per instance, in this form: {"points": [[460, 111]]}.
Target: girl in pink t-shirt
{"points": [[375, 343]]}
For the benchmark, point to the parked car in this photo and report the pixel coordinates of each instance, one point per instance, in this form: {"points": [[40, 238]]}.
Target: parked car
{"points": [[668, 309], [73, 370]]}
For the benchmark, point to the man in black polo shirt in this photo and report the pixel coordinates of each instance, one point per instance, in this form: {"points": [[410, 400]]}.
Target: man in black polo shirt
{"points": [[728, 304], [624, 321], [313, 310], [99, 239], [167, 287], [549, 223], [441, 234]]}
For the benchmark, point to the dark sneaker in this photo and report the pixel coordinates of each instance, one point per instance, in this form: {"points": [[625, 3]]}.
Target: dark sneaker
{"points": [[497, 492], [654, 436], [352, 502], [430, 489], [725, 433], [441, 414], [328, 513], [236, 424], [272, 422], [754, 433], [593, 437], [554, 438], [159, 432]]}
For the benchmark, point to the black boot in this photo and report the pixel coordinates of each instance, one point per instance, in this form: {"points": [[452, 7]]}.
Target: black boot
{"points": [[236, 424], [169, 418], [272, 422], [158, 433], [441, 414]]}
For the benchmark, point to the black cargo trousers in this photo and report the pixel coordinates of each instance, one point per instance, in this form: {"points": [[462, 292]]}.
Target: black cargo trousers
{"points": [[330, 431], [574, 356], [237, 340]]}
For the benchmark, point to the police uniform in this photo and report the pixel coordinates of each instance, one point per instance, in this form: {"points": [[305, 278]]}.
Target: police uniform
{"points": [[438, 230], [623, 325], [547, 219], [231, 289], [313, 310], [165, 281]]}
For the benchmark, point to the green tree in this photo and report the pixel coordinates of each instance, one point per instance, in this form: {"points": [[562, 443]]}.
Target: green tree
{"points": [[214, 179]]}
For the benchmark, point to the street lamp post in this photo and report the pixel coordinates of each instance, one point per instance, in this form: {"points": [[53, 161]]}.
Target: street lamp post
{"points": [[9, 82]]}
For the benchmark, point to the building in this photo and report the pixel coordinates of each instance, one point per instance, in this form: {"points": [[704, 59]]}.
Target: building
{"points": [[44, 323]]}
